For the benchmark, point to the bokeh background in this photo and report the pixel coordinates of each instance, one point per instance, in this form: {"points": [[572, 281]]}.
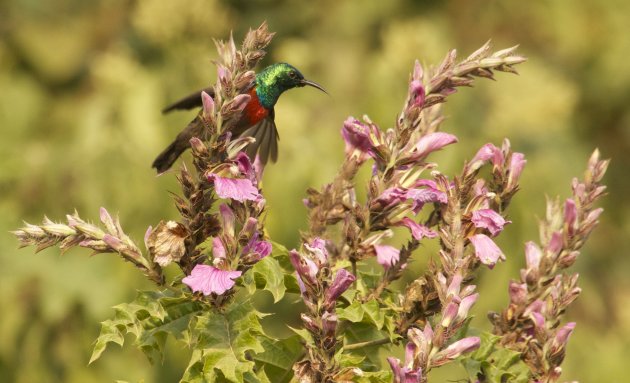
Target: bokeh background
{"points": [[81, 88]]}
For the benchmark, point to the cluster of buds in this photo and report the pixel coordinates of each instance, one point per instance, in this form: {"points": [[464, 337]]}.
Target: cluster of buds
{"points": [[320, 289], [468, 217], [531, 323], [430, 347], [78, 232]]}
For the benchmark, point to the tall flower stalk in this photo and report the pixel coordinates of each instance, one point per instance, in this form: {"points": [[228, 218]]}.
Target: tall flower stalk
{"points": [[532, 323]]}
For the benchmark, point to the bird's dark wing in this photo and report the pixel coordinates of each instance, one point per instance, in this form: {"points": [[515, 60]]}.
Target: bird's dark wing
{"points": [[193, 100], [266, 136]]}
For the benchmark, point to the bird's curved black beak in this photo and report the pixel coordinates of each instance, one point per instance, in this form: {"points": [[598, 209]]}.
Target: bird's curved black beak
{"points": [[313, 84]]}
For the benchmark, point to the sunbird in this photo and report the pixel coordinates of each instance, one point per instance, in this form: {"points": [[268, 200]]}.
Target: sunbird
{"points": [[256, 120]]}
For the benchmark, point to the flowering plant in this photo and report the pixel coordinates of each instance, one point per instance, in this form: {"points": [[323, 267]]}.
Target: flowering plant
{"points": [[224, 256]]}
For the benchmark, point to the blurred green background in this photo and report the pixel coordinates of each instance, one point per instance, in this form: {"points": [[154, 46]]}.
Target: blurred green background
{"points": [[81, 88]]}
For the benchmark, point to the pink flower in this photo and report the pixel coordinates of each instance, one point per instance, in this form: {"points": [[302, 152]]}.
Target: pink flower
{"points": [[218, 249], [426, 191], [357, 138], [489, 219], [517, 163], [387, 256], [570, 214], [227, 218], [418, 231], [208, 105], [518, 293], [458, 348], [305, 268], [239, 189], [343, 280], [209, 279], [431, 143], [259, 249], [417, 93], [532, 257], [486, 153], [404, 374], [486, 250], [465, 305]]}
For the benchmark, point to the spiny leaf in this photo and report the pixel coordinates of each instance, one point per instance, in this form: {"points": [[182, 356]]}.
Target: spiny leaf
{"points": [[279, 357], [269, 276], [224, 344], [151, 317]]}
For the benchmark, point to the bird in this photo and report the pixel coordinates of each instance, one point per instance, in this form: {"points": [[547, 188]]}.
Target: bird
{"points": [[257, 119]]}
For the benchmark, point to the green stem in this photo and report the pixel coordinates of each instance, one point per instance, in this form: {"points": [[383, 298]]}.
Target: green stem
{"points": [[369, 343]]}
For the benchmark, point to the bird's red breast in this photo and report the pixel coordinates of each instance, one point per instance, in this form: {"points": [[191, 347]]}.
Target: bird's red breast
{"points": [[254, 111]]}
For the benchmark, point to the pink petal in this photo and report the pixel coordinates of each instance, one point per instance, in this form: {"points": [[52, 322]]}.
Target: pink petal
{"points": [[387, 256], [209, 279], [239, 189], [489, 219], [418, 231], [433, 142], [486, 250]]}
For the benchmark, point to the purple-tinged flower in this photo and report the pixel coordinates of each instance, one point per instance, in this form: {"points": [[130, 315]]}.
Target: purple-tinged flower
{"points": [[431, 143], [390, 197], [555, 243], [329, 323], [198, 147], [489, 219], [465, 305], [416, 93], [533, 256], [343, 280], [386, 255], [208, 106], [259, 168], [517, 163], [418, 231], [570, 215], [518, 293], [227, 218], [486, 153], [454, 286], [218, 248], [256, 248], [458, 348], [239, 189], [403, 374], [562, 336], [245, 167], [356, 135], [240, 102], [538, 319], [426, 191], [449, 313], [209, 279], [305, 268], [486, 250], [536, 306], [317, 248]]}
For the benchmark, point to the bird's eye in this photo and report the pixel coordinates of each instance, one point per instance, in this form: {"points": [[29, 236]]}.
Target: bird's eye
{"points": [[292, 74]]}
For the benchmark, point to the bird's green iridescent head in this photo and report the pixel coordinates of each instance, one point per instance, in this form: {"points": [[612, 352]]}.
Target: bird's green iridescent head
{"points": [[275, 79]]}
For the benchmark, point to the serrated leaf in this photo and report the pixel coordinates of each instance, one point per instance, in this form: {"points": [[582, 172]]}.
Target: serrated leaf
{"points": [[225, 341], [353, 313], [151, 317], [270, 276], [364, 332]]}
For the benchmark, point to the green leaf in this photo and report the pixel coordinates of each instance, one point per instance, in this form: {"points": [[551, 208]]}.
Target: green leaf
{"points": [[270, 276], [495, 364], [151, 317], [375, 377], [353, 313], [364, 332], [279, 357], [224, 344]]}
